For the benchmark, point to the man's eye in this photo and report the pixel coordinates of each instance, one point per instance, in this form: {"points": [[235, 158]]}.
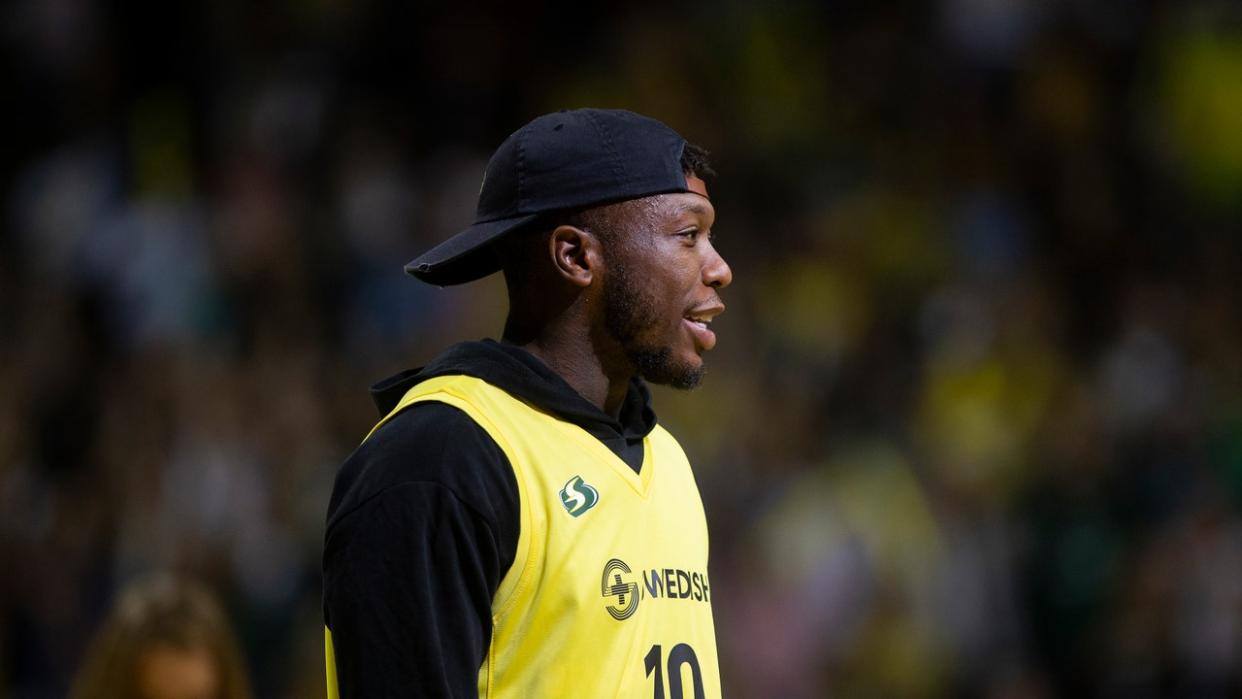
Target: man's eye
{"points": [[691, 234]]}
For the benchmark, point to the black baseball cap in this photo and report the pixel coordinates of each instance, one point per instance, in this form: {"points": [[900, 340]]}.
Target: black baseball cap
{"points": [[559, 161]]}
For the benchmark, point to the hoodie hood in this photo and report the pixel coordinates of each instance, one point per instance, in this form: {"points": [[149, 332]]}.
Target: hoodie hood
{"points": [[527, 378]]}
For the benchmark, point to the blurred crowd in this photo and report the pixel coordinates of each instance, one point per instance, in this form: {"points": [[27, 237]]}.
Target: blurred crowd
{"points": [[974, 425]]}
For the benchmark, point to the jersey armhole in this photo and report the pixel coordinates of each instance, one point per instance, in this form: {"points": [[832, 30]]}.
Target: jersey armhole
{"points": [[510, 584]]}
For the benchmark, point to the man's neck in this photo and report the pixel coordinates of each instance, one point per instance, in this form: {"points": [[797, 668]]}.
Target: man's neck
{"points": [[581, 368]]}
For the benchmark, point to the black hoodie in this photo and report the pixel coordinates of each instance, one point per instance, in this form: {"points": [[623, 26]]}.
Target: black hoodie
{"points": [[423, 524]]}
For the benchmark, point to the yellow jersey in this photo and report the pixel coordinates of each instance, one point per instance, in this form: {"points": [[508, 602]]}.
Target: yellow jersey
{"points": [[608, 594]]}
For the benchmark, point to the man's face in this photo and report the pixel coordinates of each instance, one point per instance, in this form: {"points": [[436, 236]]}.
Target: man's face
{"points": [[660, 289]]}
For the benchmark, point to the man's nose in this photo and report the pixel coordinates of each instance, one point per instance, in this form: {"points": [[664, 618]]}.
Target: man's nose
{"points": [[716, 272]]}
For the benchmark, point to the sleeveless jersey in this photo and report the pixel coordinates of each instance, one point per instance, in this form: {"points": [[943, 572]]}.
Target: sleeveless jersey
{"points": [[608, 594]]}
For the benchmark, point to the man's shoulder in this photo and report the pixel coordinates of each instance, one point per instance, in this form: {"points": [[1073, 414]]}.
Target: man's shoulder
{"points": [[427, 443], [418, 426]]}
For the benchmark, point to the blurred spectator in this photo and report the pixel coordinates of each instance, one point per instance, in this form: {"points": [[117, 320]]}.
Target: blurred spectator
{"points": [[165, 639]]}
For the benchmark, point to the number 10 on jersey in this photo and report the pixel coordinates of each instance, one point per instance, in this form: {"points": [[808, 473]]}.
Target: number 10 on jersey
{"points": [[681, 654]]}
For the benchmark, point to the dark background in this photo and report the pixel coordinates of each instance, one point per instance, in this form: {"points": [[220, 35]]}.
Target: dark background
{"points": [[974, 426]]}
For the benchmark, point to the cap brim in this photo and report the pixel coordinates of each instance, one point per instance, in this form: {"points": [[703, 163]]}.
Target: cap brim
{"points": [[466, 256]]}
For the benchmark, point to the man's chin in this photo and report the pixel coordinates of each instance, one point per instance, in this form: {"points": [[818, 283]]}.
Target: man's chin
{"points": [[687, 381], [661, 368]]}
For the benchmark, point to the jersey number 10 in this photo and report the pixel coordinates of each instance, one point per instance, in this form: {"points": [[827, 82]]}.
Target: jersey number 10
{"points": [[681, 654]]}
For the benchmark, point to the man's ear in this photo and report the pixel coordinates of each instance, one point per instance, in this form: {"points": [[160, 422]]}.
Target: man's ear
{"points": [[575, 254]]}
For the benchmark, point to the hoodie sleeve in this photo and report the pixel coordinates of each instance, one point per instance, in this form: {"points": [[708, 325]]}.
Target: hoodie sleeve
{"points": [[422, 526]]}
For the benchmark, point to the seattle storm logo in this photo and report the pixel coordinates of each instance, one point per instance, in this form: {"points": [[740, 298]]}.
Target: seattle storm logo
{"points": [[578, 496], [613, 585]]}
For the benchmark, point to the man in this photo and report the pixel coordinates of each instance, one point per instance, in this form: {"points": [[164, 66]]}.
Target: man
{"points": [[518, 525]]}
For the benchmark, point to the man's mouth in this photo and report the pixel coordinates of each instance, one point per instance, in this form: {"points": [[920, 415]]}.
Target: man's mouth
{"points": [[697, 321], [701, 322]]}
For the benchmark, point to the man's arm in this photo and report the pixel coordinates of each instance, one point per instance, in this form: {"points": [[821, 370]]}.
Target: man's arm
{"points": [[422, 527]]}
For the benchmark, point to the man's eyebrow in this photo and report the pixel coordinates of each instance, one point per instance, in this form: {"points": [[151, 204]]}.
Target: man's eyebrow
{"points": [[695, 208]]}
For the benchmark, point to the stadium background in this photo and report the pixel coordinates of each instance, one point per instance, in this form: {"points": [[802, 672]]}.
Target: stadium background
{"points": [[974, 426]]}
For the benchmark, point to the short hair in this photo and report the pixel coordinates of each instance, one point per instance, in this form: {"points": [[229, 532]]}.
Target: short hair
{"points": [[695, 160], [160, 611]]}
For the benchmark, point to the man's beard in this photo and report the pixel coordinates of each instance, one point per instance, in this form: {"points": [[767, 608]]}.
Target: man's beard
{"points": [[628, 312]]}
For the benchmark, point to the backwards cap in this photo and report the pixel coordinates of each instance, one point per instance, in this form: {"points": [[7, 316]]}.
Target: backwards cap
{"points": [[565, 160]]}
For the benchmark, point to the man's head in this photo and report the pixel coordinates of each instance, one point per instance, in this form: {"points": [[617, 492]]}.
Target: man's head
{"points": [[602, 215]]}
